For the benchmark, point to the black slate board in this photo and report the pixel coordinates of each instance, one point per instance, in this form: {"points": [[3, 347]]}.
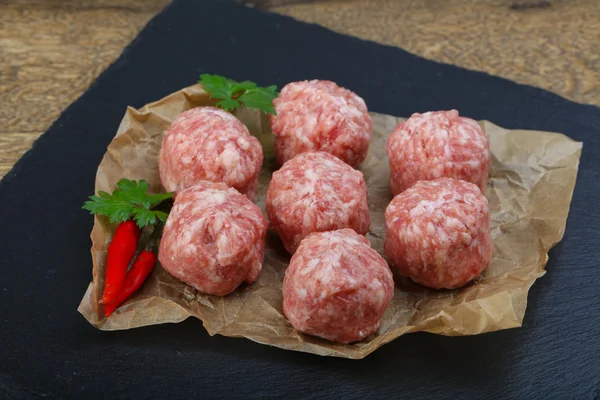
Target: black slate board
{"points": [[48, 350]]}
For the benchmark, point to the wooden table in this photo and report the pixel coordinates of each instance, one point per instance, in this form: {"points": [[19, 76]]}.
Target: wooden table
{"points": [[52, 50]]}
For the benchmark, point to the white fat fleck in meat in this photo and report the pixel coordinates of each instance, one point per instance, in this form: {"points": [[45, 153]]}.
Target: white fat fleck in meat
{"points": [[243, 143], [230, 157], [186, 237]]}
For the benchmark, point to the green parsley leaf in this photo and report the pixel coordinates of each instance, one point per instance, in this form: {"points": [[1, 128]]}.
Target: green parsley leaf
{"points": [[261, 98], [161, 215], [232, 94], [129, 200], [217, 86], [245, 85], [143, 217], [228, 104]]}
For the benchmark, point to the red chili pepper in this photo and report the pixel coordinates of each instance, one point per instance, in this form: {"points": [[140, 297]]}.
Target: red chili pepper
{"points": [[120, 252], [142, 266]]}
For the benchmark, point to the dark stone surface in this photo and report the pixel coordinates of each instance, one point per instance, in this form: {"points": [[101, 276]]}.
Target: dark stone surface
{"points": [[48, 350]]}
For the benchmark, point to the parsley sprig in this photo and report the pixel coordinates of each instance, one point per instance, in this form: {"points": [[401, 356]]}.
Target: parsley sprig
{"points": [[129, 200], [233, 94]]}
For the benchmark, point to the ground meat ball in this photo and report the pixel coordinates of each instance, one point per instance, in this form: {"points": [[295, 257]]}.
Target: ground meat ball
{"points": [[214, 239], [438, 233], [316, 192], [438, 144], [320, 115], [207, 143], [337, 287]]}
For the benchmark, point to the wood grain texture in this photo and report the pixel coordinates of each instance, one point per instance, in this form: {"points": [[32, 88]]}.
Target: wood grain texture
{"points": [[551, 44], [52, 50]]}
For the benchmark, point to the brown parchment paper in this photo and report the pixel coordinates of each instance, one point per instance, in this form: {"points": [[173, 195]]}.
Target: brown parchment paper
{"points": [[532, 180]]}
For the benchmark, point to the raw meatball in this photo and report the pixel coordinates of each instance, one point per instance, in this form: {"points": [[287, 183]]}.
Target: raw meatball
{"points": [[214, 239], [438, 144], [207, 143], [320, 115], [316, 192], [438, 233], [337, 287]]}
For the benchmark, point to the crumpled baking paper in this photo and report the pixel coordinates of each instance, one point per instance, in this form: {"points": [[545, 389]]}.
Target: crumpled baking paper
{"points": [[532, 178]]}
